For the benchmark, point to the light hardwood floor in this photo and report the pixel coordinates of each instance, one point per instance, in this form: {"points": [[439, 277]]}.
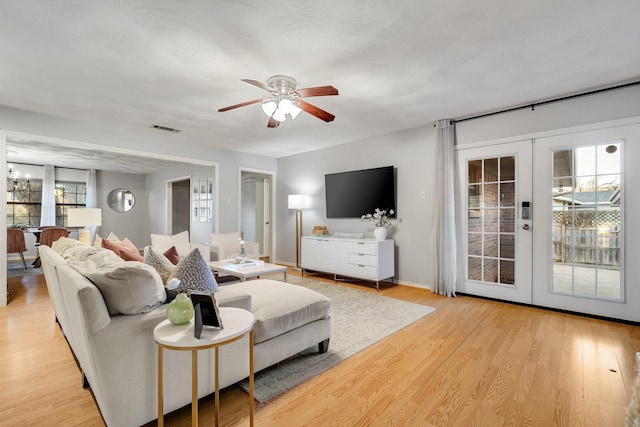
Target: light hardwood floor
{"points": [[472, 362]]}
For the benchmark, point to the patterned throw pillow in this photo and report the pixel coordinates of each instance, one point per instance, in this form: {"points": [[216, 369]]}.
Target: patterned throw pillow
{"points": [[194, 274], [159, 262]]}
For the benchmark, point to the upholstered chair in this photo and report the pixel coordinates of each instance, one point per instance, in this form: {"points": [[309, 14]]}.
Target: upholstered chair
{"points": [[16, 244], [227, 246]]}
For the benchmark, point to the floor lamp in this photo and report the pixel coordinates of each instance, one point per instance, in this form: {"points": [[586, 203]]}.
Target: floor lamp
{"points": [[299, 202]]}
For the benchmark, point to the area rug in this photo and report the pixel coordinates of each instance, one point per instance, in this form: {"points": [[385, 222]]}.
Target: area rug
{"points": [[16, 269], [358, 320]]}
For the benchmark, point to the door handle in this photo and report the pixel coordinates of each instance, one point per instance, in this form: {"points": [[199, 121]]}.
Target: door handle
{"points": [[526, 227]]}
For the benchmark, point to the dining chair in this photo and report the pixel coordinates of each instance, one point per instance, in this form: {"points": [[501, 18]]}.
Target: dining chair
{"points": [[16, 244], [47, 237]]}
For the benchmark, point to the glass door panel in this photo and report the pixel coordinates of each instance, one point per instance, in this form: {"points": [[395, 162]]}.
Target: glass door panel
{"points": [[491, 219], [587, 227]]}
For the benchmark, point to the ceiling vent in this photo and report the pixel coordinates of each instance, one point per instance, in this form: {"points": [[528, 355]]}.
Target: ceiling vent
{"points": [[166, 128]]}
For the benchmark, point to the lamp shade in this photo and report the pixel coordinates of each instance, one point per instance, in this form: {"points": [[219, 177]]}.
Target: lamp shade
{"points": [[84, 217], [299, 201]]}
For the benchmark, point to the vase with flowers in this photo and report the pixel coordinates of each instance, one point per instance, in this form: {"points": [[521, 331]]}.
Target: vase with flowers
{"points": [[242, 256], [380, 220]]}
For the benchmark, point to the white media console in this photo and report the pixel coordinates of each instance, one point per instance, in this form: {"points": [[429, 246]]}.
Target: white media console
{"points": [[367, 259]]}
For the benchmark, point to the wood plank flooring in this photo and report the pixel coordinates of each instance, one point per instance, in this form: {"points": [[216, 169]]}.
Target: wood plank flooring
{"points": [[472, 362]]}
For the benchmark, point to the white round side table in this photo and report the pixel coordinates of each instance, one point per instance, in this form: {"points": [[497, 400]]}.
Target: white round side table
{"points": [[237, 323]]}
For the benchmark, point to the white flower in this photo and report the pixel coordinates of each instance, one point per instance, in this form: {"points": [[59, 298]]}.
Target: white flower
{"points": [[380, 218]]}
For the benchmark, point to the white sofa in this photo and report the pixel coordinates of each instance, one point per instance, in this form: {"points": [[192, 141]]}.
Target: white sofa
{"points": [[117, 353]]}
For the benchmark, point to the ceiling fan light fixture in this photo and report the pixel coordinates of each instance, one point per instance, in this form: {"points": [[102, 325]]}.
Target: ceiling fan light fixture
{"points": [[295, 110], [269, 107], [285, 105], [279, 116]]}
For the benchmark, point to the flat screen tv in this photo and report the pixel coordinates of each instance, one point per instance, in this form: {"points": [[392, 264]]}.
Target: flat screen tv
{"points": [[355, 193]]}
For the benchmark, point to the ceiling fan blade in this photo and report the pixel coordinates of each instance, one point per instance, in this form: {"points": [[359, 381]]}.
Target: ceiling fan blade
{"points": [[244, 104], [258, 84], [315, 111], [317, 91], [272, 123]]}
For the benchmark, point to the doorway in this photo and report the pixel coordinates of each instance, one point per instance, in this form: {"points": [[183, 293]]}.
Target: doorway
{"points": [[179, 206], [256, 212], [543, 221]]}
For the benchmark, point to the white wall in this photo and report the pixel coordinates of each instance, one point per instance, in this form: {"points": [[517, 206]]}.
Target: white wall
{"points": [[411, 152], [131, 224]]}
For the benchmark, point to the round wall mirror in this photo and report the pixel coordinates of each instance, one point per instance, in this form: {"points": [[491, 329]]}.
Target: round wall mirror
{"points": [[121, 200]]}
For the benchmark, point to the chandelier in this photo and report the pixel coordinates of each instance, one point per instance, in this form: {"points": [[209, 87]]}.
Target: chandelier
{"points": [[14, 182]]}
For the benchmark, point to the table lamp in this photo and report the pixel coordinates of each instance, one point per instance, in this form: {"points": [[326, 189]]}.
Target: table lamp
{"points": [[84, 217]]}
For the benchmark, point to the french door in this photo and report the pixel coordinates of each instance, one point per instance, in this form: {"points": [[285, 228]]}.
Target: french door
{"points": [[495, 184], [544, 221]]}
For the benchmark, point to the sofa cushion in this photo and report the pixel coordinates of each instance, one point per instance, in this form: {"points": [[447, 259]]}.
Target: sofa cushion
{"points": [[279, 307], [194, 274], [159, 262], [161, 243], [128, 287]]}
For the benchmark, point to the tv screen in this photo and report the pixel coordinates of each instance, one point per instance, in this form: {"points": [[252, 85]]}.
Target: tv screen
{"points": [[355, 193]]}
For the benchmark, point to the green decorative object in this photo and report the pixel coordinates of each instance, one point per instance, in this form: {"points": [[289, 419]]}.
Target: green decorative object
{"points": [[180, 310]]}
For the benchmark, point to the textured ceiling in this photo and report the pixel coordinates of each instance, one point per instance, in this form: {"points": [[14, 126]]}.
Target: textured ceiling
{"points": [[398, 64]]}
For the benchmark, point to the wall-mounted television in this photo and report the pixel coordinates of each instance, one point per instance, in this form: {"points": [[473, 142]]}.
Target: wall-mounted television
{"points": [[355, 193]]}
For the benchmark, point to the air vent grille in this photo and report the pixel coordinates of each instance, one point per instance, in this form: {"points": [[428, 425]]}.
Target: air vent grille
{"points": [[165, 128]]}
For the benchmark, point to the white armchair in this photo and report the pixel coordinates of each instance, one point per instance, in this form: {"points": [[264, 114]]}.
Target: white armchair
{"points": [[161, 243], [227, 246]]}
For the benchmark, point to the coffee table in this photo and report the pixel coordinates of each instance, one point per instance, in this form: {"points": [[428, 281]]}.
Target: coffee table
{"points": [[247, 270]]}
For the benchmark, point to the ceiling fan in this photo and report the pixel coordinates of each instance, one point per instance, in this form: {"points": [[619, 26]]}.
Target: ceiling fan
{"points": [[287, 100]]}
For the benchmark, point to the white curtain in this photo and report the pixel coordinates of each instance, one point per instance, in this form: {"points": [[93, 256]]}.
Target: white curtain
{"points": [[48, 212], [445, 215], [92, 196]]}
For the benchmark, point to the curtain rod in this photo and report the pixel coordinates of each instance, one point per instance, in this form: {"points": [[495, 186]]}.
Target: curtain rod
{"points": [[550, 101]]}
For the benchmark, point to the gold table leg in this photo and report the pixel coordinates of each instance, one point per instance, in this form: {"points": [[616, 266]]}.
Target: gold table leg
{"points": [[160, 408], [194, 388], [217, 399], [251, 378]]}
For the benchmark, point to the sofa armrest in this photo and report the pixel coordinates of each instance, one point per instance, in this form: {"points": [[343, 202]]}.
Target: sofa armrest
{"points": [[204, 249], [217, 253]]}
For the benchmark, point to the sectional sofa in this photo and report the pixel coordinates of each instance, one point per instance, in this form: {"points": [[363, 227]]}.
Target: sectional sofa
{"points": [[117, 354]]}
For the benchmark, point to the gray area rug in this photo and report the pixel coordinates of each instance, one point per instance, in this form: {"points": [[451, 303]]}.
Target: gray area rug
{"points": [[358, 320], [16, 269]]}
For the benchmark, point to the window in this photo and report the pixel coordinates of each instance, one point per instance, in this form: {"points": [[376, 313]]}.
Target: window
{"points": [[69, 195], [23, 204]]}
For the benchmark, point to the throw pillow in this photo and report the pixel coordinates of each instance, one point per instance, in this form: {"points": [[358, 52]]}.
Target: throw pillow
{"points": [[129, 251], [112, 246], [172, 255], [194, 274], [125, 249], [159, 262], [127, 288], [161, 242], [111, 237]]}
